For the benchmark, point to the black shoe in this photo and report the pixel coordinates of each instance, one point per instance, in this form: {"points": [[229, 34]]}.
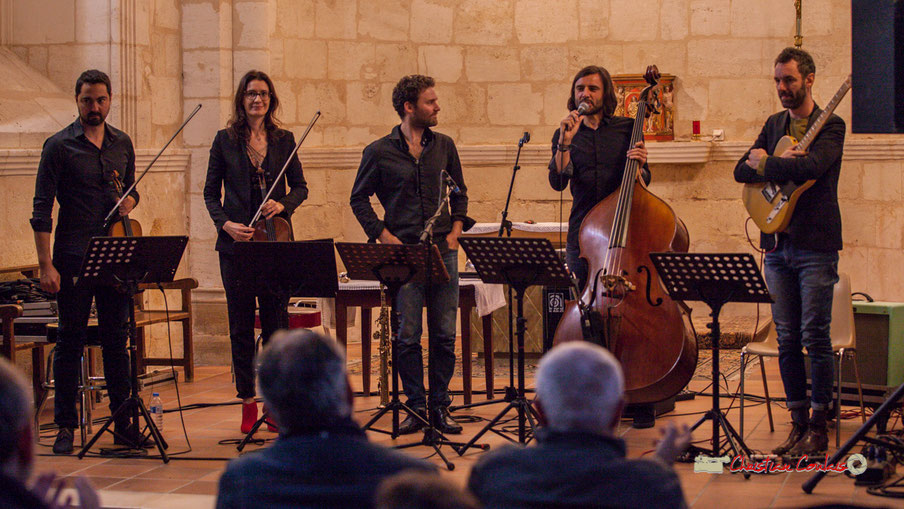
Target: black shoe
{"points": [[63, 442], [444, 422], [813, 444], [797, 432], [412, 424]]}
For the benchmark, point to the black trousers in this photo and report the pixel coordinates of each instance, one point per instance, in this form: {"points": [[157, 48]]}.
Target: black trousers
{"points": [[240, 305], [74, 306]]}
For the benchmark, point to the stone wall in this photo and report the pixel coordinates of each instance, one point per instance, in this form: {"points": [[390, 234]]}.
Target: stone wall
{"points": [[502, 67]]}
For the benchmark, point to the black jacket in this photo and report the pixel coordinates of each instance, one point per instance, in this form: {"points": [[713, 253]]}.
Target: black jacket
{"points": [[230, 168], [816, 221], [572, 469], [14, 495], [335, 467], [409, 189]]}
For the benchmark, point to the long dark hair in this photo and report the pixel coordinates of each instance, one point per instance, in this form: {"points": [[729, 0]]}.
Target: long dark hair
{"points": [[609, 100], [238, 123]]}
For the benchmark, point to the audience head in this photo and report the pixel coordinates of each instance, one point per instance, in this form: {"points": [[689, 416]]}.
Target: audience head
{"points": [[16, 449], [420, 490], [580, 387], [303, 381]]}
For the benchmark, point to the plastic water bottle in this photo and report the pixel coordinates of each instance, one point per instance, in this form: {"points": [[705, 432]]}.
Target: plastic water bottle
{"points": [[156, 409]]}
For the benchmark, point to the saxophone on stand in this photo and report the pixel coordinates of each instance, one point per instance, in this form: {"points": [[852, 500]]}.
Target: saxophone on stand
{"points": [[382, 334]]}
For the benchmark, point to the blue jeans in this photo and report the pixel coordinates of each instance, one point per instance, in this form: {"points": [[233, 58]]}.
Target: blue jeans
{"points": [[802, 282], [442, 305]]}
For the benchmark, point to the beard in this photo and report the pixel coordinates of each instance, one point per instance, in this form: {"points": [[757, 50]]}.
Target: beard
{"points": [[794, 100], [93, 119], [425, 120], [591, 109]]}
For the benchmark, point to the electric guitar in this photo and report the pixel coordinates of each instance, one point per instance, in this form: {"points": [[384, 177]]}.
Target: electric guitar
{"points": [[771, 204]]}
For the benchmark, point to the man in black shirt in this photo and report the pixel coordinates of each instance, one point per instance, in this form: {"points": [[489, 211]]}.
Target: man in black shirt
{"points": [[78, 166], [591, 150], [405, 170]]}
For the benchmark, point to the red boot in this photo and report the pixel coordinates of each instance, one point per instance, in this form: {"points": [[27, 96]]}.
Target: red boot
{"points": [[249, 416]]}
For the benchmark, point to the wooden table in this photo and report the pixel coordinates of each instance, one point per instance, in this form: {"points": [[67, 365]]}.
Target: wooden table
{"points": [[366, 295]]}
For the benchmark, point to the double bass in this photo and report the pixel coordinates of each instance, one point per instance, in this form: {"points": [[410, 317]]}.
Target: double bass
{"points": [[633, 316]]}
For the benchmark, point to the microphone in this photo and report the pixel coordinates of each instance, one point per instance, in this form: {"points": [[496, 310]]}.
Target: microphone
{"points": [[524, 139], [454, 189], [582, 108]]}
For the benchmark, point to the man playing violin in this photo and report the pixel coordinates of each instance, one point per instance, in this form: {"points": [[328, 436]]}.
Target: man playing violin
{"points": [[590, 148], [251, 148], [802, 262], [77, 169]]}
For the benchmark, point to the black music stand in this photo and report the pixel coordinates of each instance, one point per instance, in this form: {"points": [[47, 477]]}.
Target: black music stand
{"points": [[287, 269], [715, 279], [519, 263], [126, 262], [394, 265]]}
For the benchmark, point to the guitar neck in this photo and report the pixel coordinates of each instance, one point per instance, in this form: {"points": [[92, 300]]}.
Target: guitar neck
{"points": [[824, 116]]}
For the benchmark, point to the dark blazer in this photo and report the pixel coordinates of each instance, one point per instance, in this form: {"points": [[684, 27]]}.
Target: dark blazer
{"points": [[332, 468], [816, 222], [572, 469], [230, 168]]}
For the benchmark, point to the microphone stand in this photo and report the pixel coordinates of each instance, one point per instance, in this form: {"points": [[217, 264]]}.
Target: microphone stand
{"points": [[432, 436], [505, 226], [505, 229]]}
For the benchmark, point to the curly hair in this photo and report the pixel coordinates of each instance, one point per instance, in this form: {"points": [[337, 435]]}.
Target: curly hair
{"points": [[609, 100], [805, 64], [408, 89], [238, 123]]}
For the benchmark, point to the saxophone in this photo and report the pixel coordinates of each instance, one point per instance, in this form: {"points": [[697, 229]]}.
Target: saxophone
{"points": [[382, 334]]}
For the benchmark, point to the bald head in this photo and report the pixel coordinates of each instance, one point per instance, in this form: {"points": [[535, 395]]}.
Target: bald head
{"points": [[580, 387]]}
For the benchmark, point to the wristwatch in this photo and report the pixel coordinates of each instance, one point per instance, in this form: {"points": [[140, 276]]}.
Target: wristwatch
{"points": [[564, 148]]}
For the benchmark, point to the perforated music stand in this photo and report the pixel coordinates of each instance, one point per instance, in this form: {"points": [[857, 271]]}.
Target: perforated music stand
{"points": [[394, 265], [287, 269], [519, 263], [715, 279], [126, 262]]}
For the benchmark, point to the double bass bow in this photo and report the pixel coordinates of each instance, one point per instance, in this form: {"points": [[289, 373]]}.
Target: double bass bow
{"points": [[637, 320]]}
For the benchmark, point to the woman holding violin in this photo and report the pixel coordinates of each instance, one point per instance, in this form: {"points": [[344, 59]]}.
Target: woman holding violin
{"points": [[245, 158]]}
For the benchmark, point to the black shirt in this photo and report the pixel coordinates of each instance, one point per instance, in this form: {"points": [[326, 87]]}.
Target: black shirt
{"points": [[598, 158], [80, 177], [408, 188]]}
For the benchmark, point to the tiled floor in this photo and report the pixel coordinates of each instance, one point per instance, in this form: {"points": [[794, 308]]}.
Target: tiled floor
{"points": [[190, 479]]}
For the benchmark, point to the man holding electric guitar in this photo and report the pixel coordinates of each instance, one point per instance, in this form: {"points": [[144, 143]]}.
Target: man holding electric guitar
{"points": [[800, 182]]}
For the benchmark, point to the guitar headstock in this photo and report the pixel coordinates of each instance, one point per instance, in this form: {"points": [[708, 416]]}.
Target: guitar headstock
{"points": [[650, 94]]}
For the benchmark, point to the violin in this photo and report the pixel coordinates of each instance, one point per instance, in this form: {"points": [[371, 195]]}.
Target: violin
{"points": [[624, 300], [275, 229], [124, 226]]}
